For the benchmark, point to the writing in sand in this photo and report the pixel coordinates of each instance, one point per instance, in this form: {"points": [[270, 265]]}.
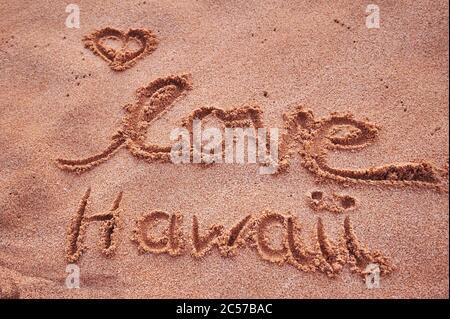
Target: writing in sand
{"points": [[313, 139], [254, 231]]}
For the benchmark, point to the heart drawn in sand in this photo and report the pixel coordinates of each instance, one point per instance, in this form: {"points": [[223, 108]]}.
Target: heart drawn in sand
{"points": [[121, 50]]}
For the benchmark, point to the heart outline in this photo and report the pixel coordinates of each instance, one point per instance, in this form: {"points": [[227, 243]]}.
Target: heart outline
{"points": [[121, 59]]}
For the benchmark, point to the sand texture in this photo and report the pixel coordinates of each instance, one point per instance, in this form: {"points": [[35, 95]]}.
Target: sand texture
{"points": [[87, 178]]}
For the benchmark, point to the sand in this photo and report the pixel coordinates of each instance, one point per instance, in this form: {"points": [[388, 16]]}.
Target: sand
{"points": [[86, 177]]}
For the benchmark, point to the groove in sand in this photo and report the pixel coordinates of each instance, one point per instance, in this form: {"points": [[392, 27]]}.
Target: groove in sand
{"points": [[325, 257], [122, 58], [108, 230], [316, 138]]}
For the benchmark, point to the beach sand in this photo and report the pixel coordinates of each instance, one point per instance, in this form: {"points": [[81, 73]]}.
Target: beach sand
{"points": [[60, 100]]}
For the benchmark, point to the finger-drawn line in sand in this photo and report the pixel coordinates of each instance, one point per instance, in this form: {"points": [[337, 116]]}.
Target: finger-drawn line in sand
{"points": [[325, 257], [78, 226], [341, 132], [246, 116], [171, 242], [238, 125], [338, 132], [216, 236], [336, 203], [123, 56], [254, 230], [152, 101]]}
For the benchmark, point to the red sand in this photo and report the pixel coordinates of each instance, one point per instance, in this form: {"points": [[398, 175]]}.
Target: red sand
{"points": [[383, 184]]}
